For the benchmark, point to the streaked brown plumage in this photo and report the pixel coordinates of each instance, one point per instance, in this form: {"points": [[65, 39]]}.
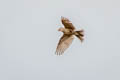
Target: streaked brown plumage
{"points": [[68, 35]]}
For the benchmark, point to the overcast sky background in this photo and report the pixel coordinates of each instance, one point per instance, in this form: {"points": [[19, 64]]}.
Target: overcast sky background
{"points": [[29, 36]]}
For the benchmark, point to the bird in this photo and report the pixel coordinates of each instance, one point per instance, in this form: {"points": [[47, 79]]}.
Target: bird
{"points": [[69, 32]]}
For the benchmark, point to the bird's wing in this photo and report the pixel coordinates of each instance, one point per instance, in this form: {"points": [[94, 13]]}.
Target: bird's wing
{"points": [[68, 24], [64, 43]]}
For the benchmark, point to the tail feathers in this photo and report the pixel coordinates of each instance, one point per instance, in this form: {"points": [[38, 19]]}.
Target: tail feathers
{"points": [[80, 34]]}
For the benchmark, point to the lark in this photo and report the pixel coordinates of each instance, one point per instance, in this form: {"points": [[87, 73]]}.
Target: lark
{"points": [[69, 32]]}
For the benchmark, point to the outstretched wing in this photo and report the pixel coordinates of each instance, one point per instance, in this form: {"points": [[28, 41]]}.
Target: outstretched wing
{"points": [[68, 24], [64, 43]]}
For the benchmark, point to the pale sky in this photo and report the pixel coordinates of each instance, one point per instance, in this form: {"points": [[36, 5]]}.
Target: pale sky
{"points": [[29, 36]]}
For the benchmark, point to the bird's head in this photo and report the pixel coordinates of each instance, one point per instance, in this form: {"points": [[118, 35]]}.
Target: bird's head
{"points": [[61, 29]]}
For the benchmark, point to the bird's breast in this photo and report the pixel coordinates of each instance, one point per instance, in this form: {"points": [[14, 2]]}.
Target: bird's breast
{"points": [[68, 31]]}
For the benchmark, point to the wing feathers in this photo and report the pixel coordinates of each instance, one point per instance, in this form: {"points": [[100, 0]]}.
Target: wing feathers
{"points": [[67, 24], [64, 43]]}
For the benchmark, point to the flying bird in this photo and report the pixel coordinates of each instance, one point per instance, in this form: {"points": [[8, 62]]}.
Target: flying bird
{"points": [[68, 35]]}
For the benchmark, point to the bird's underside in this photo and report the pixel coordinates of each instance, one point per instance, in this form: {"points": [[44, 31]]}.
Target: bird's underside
{"points": [[68, 35]]}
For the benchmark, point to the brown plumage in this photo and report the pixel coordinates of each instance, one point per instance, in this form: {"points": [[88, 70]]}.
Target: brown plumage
{"points": [[68, 35]]}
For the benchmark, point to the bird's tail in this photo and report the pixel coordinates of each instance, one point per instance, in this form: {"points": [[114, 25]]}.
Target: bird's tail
{"points": [[80, 34]]}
